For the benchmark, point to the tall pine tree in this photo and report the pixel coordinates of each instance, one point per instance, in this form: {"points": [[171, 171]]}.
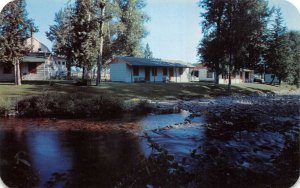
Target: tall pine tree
{"points": [[277, 55], [293, 67], [147, 52]]}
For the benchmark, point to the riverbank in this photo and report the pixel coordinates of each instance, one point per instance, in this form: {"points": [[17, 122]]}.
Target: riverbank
{"points": [[61, 99], [228, 141]]}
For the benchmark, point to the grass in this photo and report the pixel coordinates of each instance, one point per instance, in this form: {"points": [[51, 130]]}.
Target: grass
{"points": [[159, 91]]}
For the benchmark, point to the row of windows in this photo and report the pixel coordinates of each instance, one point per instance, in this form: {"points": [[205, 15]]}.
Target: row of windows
{"points": [[154, 71]]}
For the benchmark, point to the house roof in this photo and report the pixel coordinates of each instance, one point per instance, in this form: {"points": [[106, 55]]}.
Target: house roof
{"points": [[36, 45], [34, 59], [136, 61], [200, 66]]}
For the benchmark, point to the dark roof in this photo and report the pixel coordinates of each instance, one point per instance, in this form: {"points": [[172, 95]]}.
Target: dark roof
{"points": [[200, 66], [136, 61]]}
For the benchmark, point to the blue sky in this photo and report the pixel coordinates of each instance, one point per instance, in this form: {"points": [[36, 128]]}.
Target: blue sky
{"points": [[174, 28]]}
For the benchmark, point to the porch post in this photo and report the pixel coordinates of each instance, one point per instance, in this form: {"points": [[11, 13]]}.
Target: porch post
{"points": [[131, 67], [176, 73]]}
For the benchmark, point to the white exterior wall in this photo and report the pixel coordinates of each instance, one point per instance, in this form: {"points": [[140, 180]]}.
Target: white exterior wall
{"points": [[184, 77], [203, 77], [159, 75], [268, 78], [119, 72]]}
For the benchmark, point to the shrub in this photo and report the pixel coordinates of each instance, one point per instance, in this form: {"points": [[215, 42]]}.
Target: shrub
{"points": [[142, 107], [69, 106]]}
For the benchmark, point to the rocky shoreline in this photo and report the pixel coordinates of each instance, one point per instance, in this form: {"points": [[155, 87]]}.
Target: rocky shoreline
{"points": [[261, 100]]}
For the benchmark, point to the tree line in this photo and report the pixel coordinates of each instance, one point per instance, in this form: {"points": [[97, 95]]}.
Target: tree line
{"points": [[87, 33], [248, 34]]}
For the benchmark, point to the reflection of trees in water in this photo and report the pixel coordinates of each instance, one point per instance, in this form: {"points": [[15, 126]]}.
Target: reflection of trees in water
{"points": [[15, 166], [100, 159]]}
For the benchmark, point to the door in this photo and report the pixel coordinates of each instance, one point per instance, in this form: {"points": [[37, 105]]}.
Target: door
{"points": [[147, 74], [171, 74]]}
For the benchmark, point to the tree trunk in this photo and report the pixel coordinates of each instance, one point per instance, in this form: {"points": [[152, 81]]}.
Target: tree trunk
{"points": [[216, 81], [229, 74], [17, 72], [279, 81], [272, 80], [99, 62], [68, 70], [83, 72]]}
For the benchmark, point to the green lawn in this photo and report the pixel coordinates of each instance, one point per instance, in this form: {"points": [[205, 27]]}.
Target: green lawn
{"points": [[132, 90]]}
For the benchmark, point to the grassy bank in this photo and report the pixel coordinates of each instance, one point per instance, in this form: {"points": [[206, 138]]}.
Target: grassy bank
{"points": [[71, 100], [135, 90]]}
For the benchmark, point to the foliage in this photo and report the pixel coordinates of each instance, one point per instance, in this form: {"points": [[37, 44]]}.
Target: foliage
{"points": [[128, 19], [142, 107], [233, 34], [85, 36], [72, 106], [211, 49], [76, 31], [293, 68], [277, 55], [61, 35]]}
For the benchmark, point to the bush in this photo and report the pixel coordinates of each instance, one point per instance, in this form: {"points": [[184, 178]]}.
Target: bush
{"points": [[69, 106], [142, 107]]}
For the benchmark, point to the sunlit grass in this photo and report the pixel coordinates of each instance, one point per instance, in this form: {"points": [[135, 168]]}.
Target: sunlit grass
{"points": [[135, 90]]}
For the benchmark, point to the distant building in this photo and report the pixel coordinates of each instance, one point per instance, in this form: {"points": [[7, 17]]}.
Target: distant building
{"points": [[202, 73], [133, 69], [38, 64]]}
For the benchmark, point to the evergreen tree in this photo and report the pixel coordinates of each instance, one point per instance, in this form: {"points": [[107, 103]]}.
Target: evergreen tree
{"points": [[293, 68], [61, 36], [277, 55], [147, 52], [15, 28]]}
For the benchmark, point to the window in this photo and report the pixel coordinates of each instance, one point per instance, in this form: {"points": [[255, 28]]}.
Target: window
{"points": [[180, 71], [8, 68], [59, 62], [195, 73], [63, 63], [165, 71], [32, 68], [154, 71], [135, 71], [208, 74]]}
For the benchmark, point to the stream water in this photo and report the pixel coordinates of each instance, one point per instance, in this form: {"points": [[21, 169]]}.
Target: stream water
{"points": [[34, 154], [65, 153]]}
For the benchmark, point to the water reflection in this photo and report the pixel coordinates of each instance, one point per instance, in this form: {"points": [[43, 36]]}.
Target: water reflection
{"points": [[69, 158]]}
